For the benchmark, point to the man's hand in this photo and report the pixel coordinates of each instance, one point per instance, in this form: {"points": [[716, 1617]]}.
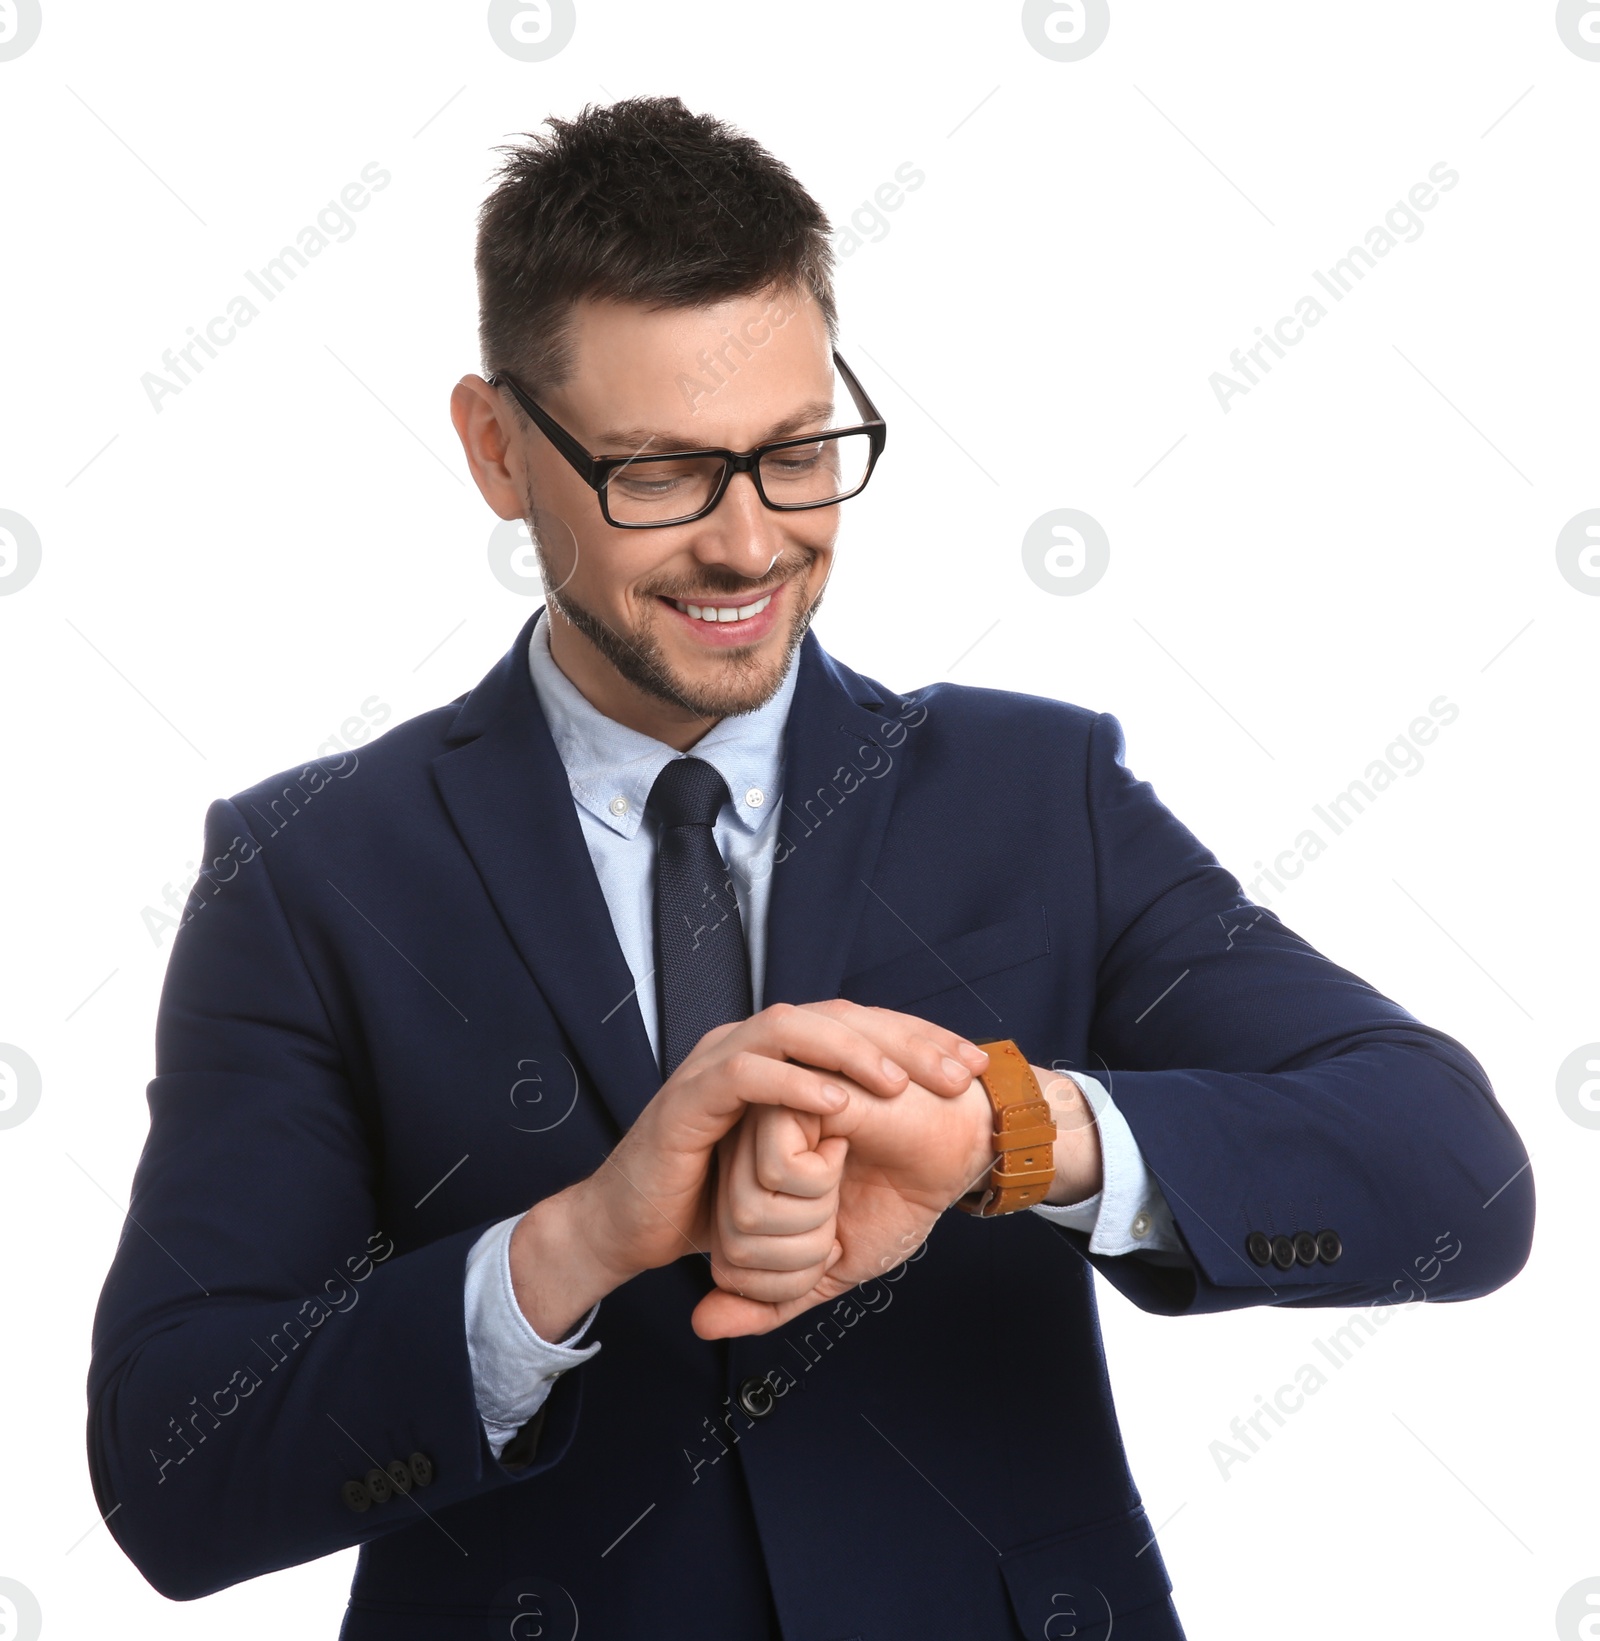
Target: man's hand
{"points": [[650, 1202], [908, 1160], [895, 1179], [772, 1243]]}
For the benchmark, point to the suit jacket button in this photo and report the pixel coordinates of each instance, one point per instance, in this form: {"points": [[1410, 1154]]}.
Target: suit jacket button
{"points": [[355, 1494], [379, 1486], [399, 1475], [1282, 1252], [756, 1398], [1259, 1247], [421, 1469], [1329, 1246], [1305, 1248]]}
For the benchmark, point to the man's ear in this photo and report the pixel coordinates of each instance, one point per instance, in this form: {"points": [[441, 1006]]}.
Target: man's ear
{"points": [[481, 417]]}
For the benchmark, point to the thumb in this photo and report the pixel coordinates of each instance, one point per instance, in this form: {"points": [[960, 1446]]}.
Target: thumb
{"points": [[833, 1151], [722, 1315]]}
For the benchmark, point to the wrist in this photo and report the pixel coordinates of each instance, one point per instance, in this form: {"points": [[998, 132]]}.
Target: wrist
{"points": [[1079, 1170], [559, 1269]]}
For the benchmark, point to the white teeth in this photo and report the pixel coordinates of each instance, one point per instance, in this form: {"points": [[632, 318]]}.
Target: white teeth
{"points": [[711, 612]]}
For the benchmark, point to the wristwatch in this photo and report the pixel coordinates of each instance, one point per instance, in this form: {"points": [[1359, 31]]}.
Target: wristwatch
{"points": [[1024, 1135]]}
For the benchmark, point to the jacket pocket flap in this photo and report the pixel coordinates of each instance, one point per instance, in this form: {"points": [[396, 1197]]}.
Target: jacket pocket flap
{"points": [[1078, 1583], [959, 962]]}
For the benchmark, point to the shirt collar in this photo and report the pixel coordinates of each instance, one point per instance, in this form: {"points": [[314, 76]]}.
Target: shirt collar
{"points": [[611, 768]]}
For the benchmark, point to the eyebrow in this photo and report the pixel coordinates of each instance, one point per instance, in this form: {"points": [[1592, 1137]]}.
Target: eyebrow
{"points": [[637, 441]]}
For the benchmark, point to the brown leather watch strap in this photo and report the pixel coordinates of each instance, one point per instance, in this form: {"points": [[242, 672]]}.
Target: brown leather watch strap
{"points": [[1024, 1136]]}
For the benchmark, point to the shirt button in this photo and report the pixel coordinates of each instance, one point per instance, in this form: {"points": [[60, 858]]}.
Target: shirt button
{"points": [[618, 806], [755, 797], [1141, 1223]]}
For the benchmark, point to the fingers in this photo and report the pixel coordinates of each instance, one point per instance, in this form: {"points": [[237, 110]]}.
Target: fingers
{"points": [[768, 1245], [785, 1054], [753, 1078], [818, 1037], [940, 1060], [789, 1160], [764, 1287], [748, 1209]]}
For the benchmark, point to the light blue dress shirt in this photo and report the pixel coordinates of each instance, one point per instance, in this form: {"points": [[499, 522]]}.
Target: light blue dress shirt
{"points": [[610, 769]]}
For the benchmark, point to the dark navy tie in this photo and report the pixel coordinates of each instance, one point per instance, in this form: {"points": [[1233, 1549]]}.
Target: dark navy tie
{"points": [[702, 967]]}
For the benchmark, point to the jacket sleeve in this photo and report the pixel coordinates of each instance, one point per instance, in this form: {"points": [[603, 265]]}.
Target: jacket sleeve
{"points": [[260, 1343], [1273, 1092]]}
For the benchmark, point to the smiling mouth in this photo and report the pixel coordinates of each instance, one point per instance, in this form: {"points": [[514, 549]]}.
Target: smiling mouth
{"points": [[717, 613]]}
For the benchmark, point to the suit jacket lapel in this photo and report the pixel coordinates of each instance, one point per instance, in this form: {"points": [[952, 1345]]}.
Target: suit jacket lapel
{"points": [[841, 762], [507, 792], [506, 789]]}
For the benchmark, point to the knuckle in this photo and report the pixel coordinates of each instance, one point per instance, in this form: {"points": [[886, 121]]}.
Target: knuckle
{"points": [[745, 1217]]}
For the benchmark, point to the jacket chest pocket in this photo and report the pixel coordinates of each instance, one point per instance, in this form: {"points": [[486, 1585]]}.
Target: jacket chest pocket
{"points": [[953, 971]]}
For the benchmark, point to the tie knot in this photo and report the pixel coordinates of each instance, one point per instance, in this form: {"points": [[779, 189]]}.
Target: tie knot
{"points": [[688, 792]]}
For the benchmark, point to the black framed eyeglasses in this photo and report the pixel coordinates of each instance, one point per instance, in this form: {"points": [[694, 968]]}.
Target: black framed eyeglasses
{"points": [[647, 492]]}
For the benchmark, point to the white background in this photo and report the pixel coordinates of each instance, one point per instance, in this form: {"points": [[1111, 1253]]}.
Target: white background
{"points": [[224, 582]]}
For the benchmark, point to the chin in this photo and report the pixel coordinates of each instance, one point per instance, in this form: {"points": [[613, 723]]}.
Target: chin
{"points": [[738, 681]]}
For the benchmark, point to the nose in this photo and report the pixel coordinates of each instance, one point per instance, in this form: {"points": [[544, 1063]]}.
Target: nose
{"points": [[741, 533]]}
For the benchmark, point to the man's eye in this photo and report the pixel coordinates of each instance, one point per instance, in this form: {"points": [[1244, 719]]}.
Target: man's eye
{"points": [[793, 462], [645, 484]]}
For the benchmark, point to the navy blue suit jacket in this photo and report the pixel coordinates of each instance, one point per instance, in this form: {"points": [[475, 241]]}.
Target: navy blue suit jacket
{"points": [[397, 1012]]}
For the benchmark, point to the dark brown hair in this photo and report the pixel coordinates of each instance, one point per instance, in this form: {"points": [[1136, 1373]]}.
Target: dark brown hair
{"points": [[639, 201]]}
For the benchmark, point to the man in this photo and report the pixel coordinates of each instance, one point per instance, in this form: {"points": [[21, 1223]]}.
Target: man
{"points": [[558, 1109]]}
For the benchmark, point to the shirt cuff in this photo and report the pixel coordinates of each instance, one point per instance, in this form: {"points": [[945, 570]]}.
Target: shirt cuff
{"points": [[1128, 1214], [513, 1368]]}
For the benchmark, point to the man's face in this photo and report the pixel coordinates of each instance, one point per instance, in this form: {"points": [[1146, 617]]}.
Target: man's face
{"points": [[652, 603]]}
